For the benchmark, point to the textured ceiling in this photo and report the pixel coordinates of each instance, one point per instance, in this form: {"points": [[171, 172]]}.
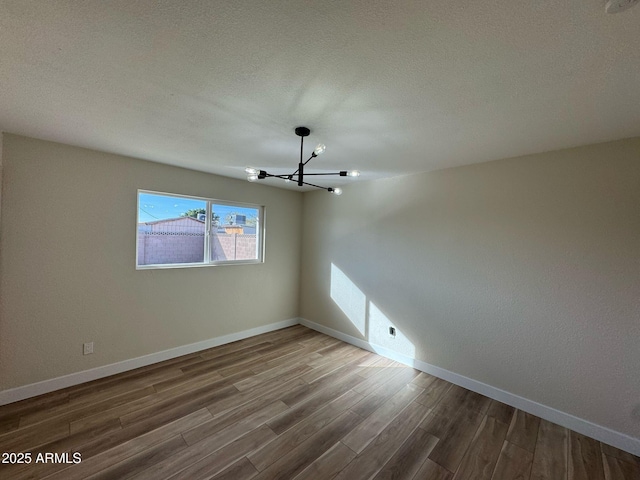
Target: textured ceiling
{"points": [[391, 87]]}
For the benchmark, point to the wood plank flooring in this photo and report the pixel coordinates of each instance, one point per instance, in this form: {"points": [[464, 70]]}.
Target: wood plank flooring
{"points": [[292, 404]]}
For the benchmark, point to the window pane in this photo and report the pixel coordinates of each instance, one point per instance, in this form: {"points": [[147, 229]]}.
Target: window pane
{"points": [[235, 233], [170, 229]]}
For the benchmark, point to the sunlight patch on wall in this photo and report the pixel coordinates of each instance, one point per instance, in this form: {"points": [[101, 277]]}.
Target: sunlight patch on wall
{"points": [[349, 298], [379, 325]]}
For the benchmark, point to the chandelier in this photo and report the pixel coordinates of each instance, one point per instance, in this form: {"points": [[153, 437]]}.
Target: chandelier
{"points": [[255, 174]]}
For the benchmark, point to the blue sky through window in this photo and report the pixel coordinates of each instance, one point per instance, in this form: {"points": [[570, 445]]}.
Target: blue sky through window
{"points": [[160, 207]]}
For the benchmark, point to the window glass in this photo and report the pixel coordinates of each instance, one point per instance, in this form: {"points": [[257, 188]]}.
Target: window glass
{"points": [[234, 233], [173, 231]]}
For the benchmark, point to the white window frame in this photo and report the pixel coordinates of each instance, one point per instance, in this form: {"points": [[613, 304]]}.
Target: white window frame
{"points": [[260, 231]]}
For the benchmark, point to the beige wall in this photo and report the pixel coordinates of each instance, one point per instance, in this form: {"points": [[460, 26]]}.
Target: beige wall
{"points": [[67, 263], [523, 274]]}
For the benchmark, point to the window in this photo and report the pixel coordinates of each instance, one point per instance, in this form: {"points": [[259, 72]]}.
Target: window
{"points": [[180, 231]]}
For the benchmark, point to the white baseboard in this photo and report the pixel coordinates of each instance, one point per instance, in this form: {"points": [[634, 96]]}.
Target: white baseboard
{"points": [[600, 433], [46, 386]]}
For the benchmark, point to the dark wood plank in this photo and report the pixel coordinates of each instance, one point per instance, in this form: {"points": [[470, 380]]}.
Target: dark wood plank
{"points": [[332, 354], [220, 438], [140, 377], [523, 430], [9, 424], [329, 464], [550, 457], [476, 401], [383, 447], [285, 376], [423, 380], [619, 454], [302, 335], [76, 411], [309, 356], [309, 403], [616, 469], [268, 375], [295, 354], [294, 436], [241, 470], [278, 387], [437, 423], [482, 455], [113, 439], [434, 392], [238, 345], [121, 451], [175, 408], [375, 376], [109, 387], [455, 439], [72, 443], [298, 459], [233, 416], [514, 463], [343, 375], [200, 461], [375, 367], [139, 462], [36, 404], [368, 430], [501, 412], [197, 377], [351, 358], [28, 438], [178, 395], [406, 462], [585, 458], [432, 471], [383, 392], [235, 358], [318, 339]]}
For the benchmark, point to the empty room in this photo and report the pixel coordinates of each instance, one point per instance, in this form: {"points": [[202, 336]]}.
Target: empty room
{"points": [[319, 240]]}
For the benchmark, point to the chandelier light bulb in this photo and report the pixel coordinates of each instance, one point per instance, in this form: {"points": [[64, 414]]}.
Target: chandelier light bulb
{"points": [[319, 149], [336, 191], [353, 173], [252, 171], [252, 177]]}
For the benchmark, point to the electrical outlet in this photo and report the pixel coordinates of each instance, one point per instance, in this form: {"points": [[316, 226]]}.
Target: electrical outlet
{"points": [[392, 331], [87, 348]]}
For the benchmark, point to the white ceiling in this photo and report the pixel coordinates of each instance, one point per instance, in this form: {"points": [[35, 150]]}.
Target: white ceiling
{"points": [[391, 87]]}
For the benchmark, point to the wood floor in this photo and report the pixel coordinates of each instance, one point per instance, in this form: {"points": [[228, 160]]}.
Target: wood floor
{"points": [[292, 404]]}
